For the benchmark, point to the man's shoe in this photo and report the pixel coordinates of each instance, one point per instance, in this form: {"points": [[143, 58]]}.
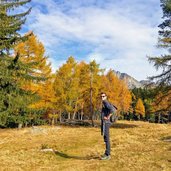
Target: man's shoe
{"points": [[105, 157]]}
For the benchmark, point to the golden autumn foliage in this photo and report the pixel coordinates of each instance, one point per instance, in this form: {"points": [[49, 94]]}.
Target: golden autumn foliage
{"points": [[72, 86], [84, 88], [139, 108], [162, 102], [47, 94], [94, 81], [32, 52], [75, 87], [78, 87], [66, 86], [117, 91]]}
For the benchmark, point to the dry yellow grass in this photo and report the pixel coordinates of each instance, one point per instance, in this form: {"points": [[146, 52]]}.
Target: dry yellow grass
{"points": [[136, 146]]}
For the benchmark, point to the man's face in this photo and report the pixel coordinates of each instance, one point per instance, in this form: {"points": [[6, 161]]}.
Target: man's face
{"points": [[103, 96]]}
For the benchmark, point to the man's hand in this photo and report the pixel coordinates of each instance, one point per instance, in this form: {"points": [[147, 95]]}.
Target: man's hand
{"points": [[108, 117], [105, 118]]}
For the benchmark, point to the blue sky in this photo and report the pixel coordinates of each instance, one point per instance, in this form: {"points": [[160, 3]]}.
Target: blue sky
{"points": [[118, 34]]}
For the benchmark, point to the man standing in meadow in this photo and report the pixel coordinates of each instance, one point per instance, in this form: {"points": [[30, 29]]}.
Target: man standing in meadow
{"points": [[105, 124]]}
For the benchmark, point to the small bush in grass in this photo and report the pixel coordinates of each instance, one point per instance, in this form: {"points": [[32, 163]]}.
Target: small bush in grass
{"points": [[44, 146]]}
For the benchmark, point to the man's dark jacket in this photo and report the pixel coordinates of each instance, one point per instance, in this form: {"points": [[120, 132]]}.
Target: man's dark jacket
{"points": [[106, 110]]}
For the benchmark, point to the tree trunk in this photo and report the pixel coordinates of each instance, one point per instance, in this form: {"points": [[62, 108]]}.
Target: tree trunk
{"points": [[91, 96], [69, 115], [53, 121], [26, 124], [159, 118], [20, 125], [82, 112], [60, 116], [75, 110], [73, 117]]}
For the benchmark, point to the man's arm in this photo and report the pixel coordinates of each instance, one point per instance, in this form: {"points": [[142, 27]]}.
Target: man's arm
{"points": [[107, 105]]}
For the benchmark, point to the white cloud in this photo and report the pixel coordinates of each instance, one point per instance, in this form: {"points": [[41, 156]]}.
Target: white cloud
{"points": [[120, 39], [56, 63]]}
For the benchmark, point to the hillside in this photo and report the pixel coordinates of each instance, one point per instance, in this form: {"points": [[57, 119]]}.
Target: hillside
{"points": [[136, 146], [132, 82]]}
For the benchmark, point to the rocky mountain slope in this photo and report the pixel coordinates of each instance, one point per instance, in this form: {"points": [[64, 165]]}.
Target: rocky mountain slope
{"points": [[130, 81]]}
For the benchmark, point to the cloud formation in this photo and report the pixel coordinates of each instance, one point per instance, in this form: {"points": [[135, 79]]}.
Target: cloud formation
{"points": [[117, 34]]}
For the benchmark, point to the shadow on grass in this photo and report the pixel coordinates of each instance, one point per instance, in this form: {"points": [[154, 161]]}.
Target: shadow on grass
{"points": [[123, 125], [166, 139], [61, 154]]}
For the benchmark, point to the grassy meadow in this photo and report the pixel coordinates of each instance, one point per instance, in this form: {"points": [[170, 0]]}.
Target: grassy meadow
{"points": [[135, 146]]}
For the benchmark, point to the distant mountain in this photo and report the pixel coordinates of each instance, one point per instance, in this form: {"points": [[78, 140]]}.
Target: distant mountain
{"points": [[130, 81]]}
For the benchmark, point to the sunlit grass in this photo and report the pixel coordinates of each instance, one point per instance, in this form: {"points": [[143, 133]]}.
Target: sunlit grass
{"points": [[135, 146]]}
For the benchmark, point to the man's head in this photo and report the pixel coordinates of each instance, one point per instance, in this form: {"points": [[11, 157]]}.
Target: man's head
{"points": [[103, 96]]}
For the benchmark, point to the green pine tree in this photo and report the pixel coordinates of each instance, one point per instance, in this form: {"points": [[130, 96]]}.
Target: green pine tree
{"points": [[13, 98], [164, 61]]}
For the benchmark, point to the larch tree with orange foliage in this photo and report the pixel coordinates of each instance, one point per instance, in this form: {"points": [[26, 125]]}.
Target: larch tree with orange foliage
{"points": [[140, 109], [117, 91], [162, 106], [32, 52], [66, 87], [77, 88]]}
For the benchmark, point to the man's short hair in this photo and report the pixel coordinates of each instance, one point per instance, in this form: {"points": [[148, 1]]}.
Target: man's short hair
{"points": [[103, 93]]}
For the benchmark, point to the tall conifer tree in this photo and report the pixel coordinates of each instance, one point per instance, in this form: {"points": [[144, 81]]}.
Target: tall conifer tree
{"points": [[13, 99], [164, 61]]}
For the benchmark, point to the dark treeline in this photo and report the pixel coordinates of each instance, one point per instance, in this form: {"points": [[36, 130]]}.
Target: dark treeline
{"points": [[153, 111]]}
